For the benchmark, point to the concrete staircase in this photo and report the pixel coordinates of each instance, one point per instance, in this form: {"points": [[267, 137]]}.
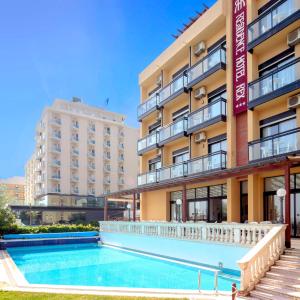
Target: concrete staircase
{"points": [[282, 282]]}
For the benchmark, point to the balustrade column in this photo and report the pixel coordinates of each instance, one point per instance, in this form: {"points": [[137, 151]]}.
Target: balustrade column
{"points": [[287, 174]]}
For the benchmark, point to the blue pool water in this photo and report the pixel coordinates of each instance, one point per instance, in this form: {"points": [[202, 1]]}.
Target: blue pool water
{"points": [[91, 265]]}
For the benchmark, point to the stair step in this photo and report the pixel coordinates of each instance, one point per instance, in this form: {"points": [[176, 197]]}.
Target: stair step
{"points": [[266, 296], [282, 282], [295, 252], [288, 263], [278, 291], [290, 257], [279, 276], [286, 270]]}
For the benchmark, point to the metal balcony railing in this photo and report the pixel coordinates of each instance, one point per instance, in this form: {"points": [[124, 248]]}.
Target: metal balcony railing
{"points": [[275, 80], [206, 114], [202, 68], [147, 142], [271, 18], [172, 88], [147, 106], [276, 145], [172, 130], [207, 163]]}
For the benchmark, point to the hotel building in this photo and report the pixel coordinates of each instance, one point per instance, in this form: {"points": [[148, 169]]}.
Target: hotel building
{"points": [[220, 118], [14, 188], [81, 153]]}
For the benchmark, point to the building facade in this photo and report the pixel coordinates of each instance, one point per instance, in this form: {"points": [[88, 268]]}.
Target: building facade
{"points": [[220, 118], [81, 153], [14, 187]]}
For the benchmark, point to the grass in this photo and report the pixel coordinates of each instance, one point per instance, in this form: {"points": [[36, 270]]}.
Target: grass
{"points": [[4, 295]]}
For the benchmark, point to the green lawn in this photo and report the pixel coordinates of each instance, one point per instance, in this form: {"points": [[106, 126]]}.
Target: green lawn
{"points": [[43, 296]]}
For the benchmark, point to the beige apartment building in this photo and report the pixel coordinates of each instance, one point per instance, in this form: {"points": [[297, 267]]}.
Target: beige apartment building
{"points": [[81, 153], [14, 187]]}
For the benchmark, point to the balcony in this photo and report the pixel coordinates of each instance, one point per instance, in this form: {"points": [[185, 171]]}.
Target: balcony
{"points": [[55, 163], [172, 90], [277, 145], [172, 131], [205, 116], [56, 149], [55, 190], [91, 166], [55, 177], [75, 152], [91, 192], [55, 121], [147, 143], [75, 190], [204, 164], [275, 84], [106, 180], [56, 136], [272, 21], [74, 178], [106, 169], [91, 142], [91, 154], [147, 107], [91, 180], [75, 139], [92, 129], [211, 63], [74, 165]]}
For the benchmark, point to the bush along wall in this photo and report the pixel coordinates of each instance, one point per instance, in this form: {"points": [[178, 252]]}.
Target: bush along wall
{"points": [[45, 229]]}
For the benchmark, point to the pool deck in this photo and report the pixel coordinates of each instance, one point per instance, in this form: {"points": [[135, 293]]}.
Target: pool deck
{"points": [[11, 279]]}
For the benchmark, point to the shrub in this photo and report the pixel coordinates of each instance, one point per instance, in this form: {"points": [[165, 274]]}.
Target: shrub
{"points": [[7, 218], [10, 229]]}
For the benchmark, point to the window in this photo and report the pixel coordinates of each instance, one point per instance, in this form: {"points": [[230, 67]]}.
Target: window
{"points": [[220, 43], [278, 127], [107, 130], [180, 71], [154, 164], [183, 112], [216, 94], [154, 127], [217, 144], [181, 155]]}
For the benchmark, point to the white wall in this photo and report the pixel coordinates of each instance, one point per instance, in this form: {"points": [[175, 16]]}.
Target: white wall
{"points": [[204, 253]]}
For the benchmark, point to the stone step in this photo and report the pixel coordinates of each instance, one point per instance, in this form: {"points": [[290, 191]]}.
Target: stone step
{"points": [[266, 296], [286, 277], [286, 270], [289, 257], [295, 252], [288, 263], [282, 282], [277, 291]]}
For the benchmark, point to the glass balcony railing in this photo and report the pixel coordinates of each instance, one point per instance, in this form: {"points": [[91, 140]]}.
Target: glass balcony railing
{"points": [[147, 178], [271, 18], [213, 59], [207, 113], [147, 106], [210, 162], [148, 141], [172, 88], [283, 143], [173, 129], [213, 161], [275, 80]]}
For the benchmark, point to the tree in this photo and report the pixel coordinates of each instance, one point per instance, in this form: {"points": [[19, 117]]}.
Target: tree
{"points": [[7, 217]]}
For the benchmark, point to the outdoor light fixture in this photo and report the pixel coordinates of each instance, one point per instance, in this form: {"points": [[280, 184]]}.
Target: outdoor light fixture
{"points": [[129, 207], [178, 204], [281, 193]]}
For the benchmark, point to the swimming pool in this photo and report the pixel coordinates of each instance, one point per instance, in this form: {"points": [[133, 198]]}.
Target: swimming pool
{"points": [[91, 265]]}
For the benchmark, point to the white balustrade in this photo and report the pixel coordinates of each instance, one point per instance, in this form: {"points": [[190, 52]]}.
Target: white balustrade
{"points": [[232, 233], [258, 260]]}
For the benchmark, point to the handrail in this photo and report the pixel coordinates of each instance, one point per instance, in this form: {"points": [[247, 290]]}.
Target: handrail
{"points": [[275, 136], [219, 99], [285, 66], [258, 260]]}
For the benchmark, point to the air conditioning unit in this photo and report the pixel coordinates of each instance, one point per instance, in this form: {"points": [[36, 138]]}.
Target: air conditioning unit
{"points": [[159, 116], [294, 101], [200, 92], [293, 37], [200, 137], [158, 80], [199, 48]]}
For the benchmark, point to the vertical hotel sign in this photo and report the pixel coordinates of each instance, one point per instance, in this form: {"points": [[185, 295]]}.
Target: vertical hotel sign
{"points": [[239, 55]]}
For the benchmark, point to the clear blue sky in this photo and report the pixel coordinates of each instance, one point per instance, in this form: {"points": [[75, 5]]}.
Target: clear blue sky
{"points": [[92, 49]]}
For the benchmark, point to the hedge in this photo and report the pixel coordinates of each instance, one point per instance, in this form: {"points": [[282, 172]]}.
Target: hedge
{"points": [[46, 229]]}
